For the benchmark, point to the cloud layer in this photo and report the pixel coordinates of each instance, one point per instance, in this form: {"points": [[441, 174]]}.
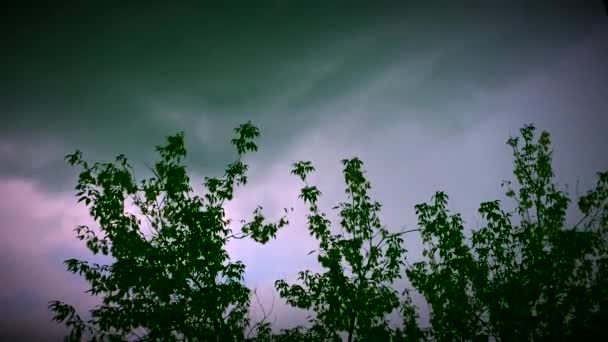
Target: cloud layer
{"points": [[425, 96]]}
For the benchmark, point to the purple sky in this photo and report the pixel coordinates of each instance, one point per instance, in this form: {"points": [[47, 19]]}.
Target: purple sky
{"points": [[426, 97]]}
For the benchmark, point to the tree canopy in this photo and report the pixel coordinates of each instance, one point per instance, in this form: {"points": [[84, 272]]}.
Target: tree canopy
{"points": [[525, 274]]}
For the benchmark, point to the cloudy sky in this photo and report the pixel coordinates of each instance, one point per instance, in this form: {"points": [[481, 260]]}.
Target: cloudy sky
{"points": [[425, 96]]}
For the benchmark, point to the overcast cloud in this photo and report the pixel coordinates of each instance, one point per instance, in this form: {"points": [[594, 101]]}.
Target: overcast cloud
{"points": [[425, 96]]}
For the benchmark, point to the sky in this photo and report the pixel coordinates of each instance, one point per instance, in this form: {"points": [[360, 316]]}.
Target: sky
{"points": [[426, 95]]}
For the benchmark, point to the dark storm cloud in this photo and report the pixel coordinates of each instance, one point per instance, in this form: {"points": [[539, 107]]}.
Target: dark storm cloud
{"points": [[87, 76], [90, 76], [425, 94], [471, 48]]}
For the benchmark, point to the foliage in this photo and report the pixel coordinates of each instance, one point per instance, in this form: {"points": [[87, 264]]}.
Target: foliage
{"points": [[532, 279], [177, 281], [354, 295], [525, 274]]}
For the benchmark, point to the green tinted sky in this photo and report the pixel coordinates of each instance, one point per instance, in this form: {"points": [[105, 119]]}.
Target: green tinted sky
{"points": [[425, 94]]}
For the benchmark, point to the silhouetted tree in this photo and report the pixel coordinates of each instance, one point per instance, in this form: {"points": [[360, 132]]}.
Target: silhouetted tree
{"points": [[533, 278], [171, 278], [355, 294], [524, 275]]}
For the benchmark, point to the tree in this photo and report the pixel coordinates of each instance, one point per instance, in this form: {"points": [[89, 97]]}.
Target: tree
{"points": [[175, 280], [533, 278], [524, 275], [354, 295]]}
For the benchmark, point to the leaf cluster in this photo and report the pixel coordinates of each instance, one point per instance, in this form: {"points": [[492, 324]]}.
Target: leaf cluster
{"points": [[524, 275]]}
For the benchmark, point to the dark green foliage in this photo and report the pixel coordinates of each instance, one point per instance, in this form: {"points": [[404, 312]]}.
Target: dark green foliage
{"points": [[354, 295], [177, 282], [524, 275], [532, 279]]}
